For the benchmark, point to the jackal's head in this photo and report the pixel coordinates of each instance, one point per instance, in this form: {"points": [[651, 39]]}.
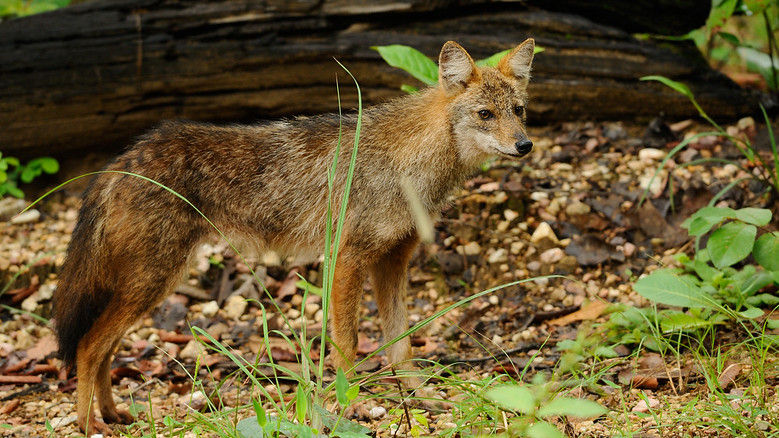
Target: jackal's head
{"points": [[486, 105]]}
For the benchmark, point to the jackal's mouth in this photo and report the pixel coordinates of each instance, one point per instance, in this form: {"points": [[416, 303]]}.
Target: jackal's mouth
{"points": [[506, 154]]}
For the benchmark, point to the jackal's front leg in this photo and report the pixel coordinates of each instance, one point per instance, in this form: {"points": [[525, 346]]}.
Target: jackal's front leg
{"points": [[347, 292]]}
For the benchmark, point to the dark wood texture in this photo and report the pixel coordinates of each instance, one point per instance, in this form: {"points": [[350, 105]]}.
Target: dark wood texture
{"points": [[94, 75]]}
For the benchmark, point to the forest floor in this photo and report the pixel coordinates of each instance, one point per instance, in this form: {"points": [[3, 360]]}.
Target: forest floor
{"points": [[570, 209]]}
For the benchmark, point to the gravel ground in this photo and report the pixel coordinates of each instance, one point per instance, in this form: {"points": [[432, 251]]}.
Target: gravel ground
{"points": [[570, 209]]}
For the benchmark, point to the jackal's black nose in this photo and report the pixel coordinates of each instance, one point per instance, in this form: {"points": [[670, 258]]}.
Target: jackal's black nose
{"points": [[524, 146]]}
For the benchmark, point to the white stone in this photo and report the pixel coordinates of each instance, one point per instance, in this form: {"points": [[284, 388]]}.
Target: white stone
{"points": [[552, 255], [651, 154], [192, 350], [510, 215], [28, 216], [377, 412], [472, 248], [63, 421], [209, 309], [577, 208], [196, 401], [538, 196], [235, 306], [543, 231], [628, 249], [498, 256]]}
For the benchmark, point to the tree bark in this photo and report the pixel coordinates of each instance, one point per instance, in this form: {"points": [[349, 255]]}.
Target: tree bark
{"points": [[94, 75]]}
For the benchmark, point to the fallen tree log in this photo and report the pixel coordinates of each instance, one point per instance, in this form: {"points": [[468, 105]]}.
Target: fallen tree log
{"points": [[96, 74]]}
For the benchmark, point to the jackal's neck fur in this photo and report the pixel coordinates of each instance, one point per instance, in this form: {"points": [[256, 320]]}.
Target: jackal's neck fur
{"points": [[416, 134]]}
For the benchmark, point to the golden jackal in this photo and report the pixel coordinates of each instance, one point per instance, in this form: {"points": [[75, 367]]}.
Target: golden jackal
{"points": [[269, 181]]}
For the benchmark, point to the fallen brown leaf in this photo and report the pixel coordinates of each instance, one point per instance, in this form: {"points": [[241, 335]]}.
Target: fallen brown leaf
{"points": [[589, 311], [729, 374], [10, 406]]}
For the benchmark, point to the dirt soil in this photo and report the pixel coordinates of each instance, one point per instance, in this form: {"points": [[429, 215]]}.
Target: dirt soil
{"points": [[571, 208]]}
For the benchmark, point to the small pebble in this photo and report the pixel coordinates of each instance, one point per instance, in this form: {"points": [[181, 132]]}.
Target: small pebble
{"points": [[552, 255], [209, 309], [498, 256], [642, 405], [651, 154], [543, 231], [26, 217], [235, 306], [377, 412]]}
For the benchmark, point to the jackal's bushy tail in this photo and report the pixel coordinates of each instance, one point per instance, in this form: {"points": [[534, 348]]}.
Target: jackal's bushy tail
{"points": [[81, 295]]}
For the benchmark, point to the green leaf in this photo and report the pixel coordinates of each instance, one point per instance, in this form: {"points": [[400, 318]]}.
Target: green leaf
{"points": [[49, 165], [3, 177], [572, 407], [757, 6], [512, 398], [542, 429], [28, 174], [668, 287], [702, 220], [704, 271], [410, 60], [605, 352], [720, 13], [755, 282], [409, 89], [12, 161], [301, 404], [729, 37], [763, 300], [731, 243], [766, 251], [262, 420], [759, 62], [341, 388], [353, 392], [493, 60], [754, 216], [677, 86], [14, 191], [680, 321], [751, 313]]}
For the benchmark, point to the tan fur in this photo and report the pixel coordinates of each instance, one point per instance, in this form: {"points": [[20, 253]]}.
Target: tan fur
{"points": [[269, 181]]}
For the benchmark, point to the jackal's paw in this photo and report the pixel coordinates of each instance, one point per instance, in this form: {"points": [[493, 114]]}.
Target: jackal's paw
{"points": [[120, 416], [95, 427]]}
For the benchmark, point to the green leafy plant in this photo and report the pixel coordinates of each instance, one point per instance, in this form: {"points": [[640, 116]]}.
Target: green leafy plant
{"points": [[20, 8], [534, 405], [12, 172], [757, 21], [587, 344], [418, 65], [708, 283]]}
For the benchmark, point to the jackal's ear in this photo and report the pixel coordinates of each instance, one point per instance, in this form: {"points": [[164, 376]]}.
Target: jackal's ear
{"points": [[455, 68], [517, 62]]}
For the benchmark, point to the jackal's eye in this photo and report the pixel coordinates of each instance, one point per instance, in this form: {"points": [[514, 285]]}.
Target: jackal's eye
{"points": [[486, 114], [519, 110]]}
